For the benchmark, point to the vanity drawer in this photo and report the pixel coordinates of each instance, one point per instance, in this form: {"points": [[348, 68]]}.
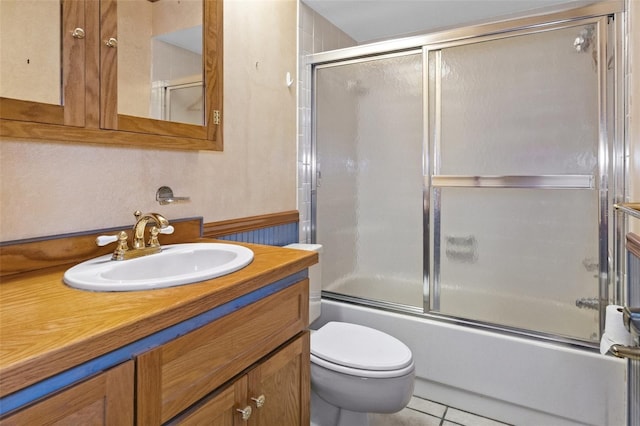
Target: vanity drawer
{"points": [[172, 377]]}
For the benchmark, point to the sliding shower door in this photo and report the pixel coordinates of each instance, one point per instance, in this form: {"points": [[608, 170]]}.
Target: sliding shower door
{"points": [[472, 180], [368, 123], [519, 180]]}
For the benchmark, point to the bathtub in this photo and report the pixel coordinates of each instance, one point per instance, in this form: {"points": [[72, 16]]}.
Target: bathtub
{"points": [[512, 379], [524, 312]]}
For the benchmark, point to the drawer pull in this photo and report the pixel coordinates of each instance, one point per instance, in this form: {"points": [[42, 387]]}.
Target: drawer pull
{"points": [[246, 413], [259, 401]]}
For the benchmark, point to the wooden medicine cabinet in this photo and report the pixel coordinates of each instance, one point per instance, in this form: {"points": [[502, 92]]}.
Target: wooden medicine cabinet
{"points": [[111, 81]]}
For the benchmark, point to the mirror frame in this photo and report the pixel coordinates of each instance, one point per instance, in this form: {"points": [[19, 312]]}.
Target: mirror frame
{"points": [[98, 89]]}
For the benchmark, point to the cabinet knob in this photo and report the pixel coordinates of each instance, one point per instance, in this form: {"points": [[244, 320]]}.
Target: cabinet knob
{"points": [[259, 401], [112, 42], [77, 33], [246, 412]]}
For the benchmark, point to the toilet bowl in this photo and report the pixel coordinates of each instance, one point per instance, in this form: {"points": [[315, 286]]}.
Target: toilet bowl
{"points": [[355, 370]]}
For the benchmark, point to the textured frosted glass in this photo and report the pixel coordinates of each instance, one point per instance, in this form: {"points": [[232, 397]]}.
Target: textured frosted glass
{"points": [[369, 199], [524, 105], [520, 258]]}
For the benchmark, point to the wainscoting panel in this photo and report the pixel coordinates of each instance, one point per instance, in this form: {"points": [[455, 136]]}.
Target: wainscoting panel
{"points": [[277, 229], [280, 235]]}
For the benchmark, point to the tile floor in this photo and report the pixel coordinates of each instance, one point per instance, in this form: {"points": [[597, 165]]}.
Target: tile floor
{"points": [[421, 412]]}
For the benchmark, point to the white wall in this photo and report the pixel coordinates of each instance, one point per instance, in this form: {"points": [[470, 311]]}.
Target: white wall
{"points": [[54, 188]]}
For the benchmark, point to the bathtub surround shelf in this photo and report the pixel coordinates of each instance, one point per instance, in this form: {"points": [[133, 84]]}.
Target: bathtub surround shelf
{"points": [[78, 331]]}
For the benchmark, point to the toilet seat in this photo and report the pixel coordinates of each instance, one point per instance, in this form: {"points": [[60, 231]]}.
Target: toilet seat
{"points": [[360, 351]]}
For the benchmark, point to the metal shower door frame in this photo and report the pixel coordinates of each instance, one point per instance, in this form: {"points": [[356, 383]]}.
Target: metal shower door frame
{"points": [[434, 181], [612, 155]]}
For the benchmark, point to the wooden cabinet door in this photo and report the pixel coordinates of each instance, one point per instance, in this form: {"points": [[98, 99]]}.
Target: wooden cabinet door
{"points": [[220, 409], [279, 387], [106, 399]]}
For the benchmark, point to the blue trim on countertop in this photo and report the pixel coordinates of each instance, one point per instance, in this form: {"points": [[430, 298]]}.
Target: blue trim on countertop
{"points": [[83, 371]]}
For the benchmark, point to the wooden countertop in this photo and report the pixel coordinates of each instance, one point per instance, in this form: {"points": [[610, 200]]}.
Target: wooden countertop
{"points": [[47, 327]]}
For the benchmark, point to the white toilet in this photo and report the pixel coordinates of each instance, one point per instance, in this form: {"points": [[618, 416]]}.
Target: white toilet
{"points": [[355, 370]]}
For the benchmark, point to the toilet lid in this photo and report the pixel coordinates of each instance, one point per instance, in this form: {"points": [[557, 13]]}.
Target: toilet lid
{"points": [[360, 347]]}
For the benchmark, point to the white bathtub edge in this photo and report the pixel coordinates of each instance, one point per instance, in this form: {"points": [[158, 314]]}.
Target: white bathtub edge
{"points": [[507, 378]]}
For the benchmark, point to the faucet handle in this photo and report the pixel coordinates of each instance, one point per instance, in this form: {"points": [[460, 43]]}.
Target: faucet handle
{"points": [[103, 240], [153, 240], [121, 238], [166, 230]]}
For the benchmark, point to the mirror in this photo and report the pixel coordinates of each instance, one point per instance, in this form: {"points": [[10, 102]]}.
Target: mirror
{"points": [[160, 67], [30, 58]]}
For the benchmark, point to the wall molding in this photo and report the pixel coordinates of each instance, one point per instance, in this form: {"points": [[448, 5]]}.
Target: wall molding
{"points": [[38, 253]]}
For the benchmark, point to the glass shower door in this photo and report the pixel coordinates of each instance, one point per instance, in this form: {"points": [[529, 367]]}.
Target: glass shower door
{"points": [[369, 146], [518, 159]]}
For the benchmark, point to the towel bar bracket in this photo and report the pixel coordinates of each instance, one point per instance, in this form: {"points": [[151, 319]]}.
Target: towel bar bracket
{"points": [[164, 196]]}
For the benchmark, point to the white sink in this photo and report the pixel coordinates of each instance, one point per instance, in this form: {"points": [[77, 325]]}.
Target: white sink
{"points": [[177, 264]]}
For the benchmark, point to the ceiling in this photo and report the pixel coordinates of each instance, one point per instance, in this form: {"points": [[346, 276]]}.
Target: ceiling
{"points": [[371, 20]]}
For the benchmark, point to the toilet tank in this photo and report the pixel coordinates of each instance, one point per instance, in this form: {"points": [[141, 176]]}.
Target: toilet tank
{"points": [[315, 279]]}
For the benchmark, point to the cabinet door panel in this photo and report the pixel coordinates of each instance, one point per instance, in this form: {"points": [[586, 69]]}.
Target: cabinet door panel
{"points": [[219, 410], [282, 382], [106, 399]]}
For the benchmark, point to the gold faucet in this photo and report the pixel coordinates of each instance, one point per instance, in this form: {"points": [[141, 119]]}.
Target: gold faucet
{"points": [[138, 247], [141, 223]]}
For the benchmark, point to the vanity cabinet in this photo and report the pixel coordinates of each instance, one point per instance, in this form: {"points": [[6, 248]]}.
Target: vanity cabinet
{"points": [[105, 399], [259, 350], [152, 357], [85, 108]]}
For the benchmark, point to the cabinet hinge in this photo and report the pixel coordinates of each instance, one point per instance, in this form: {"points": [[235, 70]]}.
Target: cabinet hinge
{"points": [[216, 116]]}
